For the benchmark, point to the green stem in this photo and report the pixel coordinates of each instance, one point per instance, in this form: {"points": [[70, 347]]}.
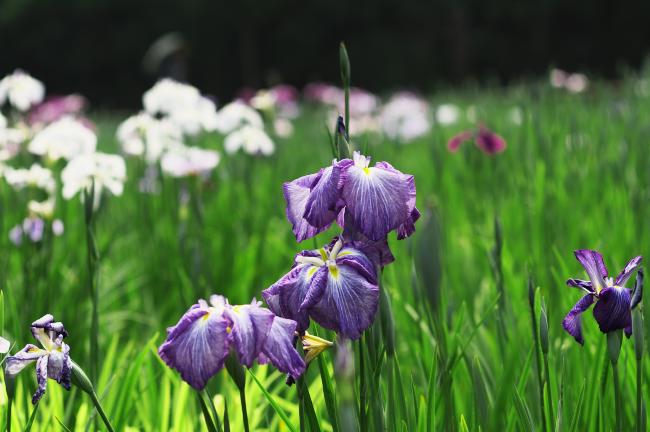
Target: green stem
{"points": [[540, 382], [94, 298], [244, 411], [617, 397], [100, 410], [639, 397], [549, 393], [9, 414]]}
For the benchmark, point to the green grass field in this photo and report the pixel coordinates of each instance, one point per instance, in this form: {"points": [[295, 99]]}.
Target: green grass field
{"points": [[574, 175]]}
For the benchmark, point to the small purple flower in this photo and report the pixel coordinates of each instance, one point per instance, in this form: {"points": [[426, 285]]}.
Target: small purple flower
{"points": [[336, 286], [376, 199], [57, 227], [34, 227], [484, 138], [612, 310], [52, 361], [16, 235], [197, 346]]}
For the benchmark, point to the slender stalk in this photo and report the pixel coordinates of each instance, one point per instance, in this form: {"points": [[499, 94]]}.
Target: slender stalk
{"points": [[639, 397], [100, 410], [617, 397], [614, 340], [209, 423], [9, 415], [549, 393], [540, 382], [244, 411], [91, 260]]}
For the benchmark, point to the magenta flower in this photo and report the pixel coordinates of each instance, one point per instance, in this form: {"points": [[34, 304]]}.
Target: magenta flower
{"points": [[56, 108], [484, 138]]}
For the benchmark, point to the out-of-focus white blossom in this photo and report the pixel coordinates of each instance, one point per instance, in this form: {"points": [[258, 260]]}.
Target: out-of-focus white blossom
{"points": [[44, 209], [405, 117], [263, 100], [516, 116], [35, 176], [283, 127], [66, 138], [572, 82], [182, 104], [188, 161], [447, 114], [10, 139], [105, 170], [21, 90], [143, 135], [235, 115], [251, 139]]}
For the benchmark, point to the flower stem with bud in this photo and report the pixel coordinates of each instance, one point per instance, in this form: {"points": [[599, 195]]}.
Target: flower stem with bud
{"points": [[614, 340], [81, 380]]}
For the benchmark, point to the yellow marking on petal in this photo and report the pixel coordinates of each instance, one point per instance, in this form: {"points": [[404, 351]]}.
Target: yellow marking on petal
{"points": [[344, 253], [366, 170], [206, 316], [323, 254], [228, 329], [31, 350], [235, 309], [334, 271], [311, 271]]}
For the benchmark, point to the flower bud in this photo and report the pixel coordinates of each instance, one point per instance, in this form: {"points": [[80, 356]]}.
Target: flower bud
{"points": [[637, 296], [614, 340], [638, 331], [81, 380], [344, 62], [543, 329]]}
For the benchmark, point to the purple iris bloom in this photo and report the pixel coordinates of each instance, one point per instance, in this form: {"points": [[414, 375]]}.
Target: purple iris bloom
{"points": [[485, 139], [52, 361], [376, 200], [198, 345], [336, 286], [612, 310]]}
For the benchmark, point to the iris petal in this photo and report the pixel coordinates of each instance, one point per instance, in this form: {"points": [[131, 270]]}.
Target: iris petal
{"points": [[612, 310], [630, 268], [41, 378], [323, 205], [197, 346], [582, 284], [286, 295], [279, 349], [296, 194], [250, 325], [593, 263], [572, 323], [23, 358]]}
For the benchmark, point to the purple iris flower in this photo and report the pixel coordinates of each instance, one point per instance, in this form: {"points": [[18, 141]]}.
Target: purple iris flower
{"points": [[52, 361], [198, 345], [484, 138], [376, 200], [612, 310], [336, 286]]}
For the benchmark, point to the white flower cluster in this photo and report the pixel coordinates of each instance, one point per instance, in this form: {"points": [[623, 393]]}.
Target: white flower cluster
{"points": [[244, 129], [66, 147]]}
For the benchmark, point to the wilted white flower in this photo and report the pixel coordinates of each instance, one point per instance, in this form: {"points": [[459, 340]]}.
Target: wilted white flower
{"points": [[251, 139], [235, 115], [405, 117], [182, 104], [187, 161], [143, 135], [283, 127], [447, 114], [106, 170], [35, 176], [65, 138], [21, 90]]}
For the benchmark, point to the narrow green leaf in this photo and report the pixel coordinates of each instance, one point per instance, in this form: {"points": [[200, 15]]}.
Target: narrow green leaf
{"points": [[273, 403]]}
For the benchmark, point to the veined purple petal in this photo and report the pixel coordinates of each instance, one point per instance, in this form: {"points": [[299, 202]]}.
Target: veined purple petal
{"points": [[279, 348], [572, 323], [408, 227], [250, 325], [316, 288], [377, 199], [612, 310], [377, 251], [582, 284], [323, 204], [455, 142], [286, 295], [296, 194], [23, 358], [198, 345], [349, 303], [41, 378], [593, 263], [630, 268], [58, 365]]}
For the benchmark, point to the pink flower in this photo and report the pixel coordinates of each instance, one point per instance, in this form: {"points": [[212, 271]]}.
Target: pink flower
{"points": [[485, 139]]}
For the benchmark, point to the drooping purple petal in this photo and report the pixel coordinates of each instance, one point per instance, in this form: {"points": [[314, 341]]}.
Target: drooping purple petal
{"points": [[572, 323], [408, 227], [250, 325], [198, 345], [286, 295], [582, 284], [316, 288], [612, 310], [323, 204], [630, 268], [489, 142], [296, 194], [58, 365], [279, 348], [593, 263], [455, 142], [377, 199], [377, 251], [23, 358], [41, 378], [350, 301]]}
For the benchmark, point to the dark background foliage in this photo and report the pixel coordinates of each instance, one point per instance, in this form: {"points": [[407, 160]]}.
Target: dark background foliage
{"points": [[96, 47]]}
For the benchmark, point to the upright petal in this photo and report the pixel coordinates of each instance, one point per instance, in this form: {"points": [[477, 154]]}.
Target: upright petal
{"points": [[455, 142], [593, 263], [198, 345], [630, 268], [41, 378], [377, 199], [612, 310], [296, 194], [279, 348], [250, 325], [572, 323], [350, 301]]}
